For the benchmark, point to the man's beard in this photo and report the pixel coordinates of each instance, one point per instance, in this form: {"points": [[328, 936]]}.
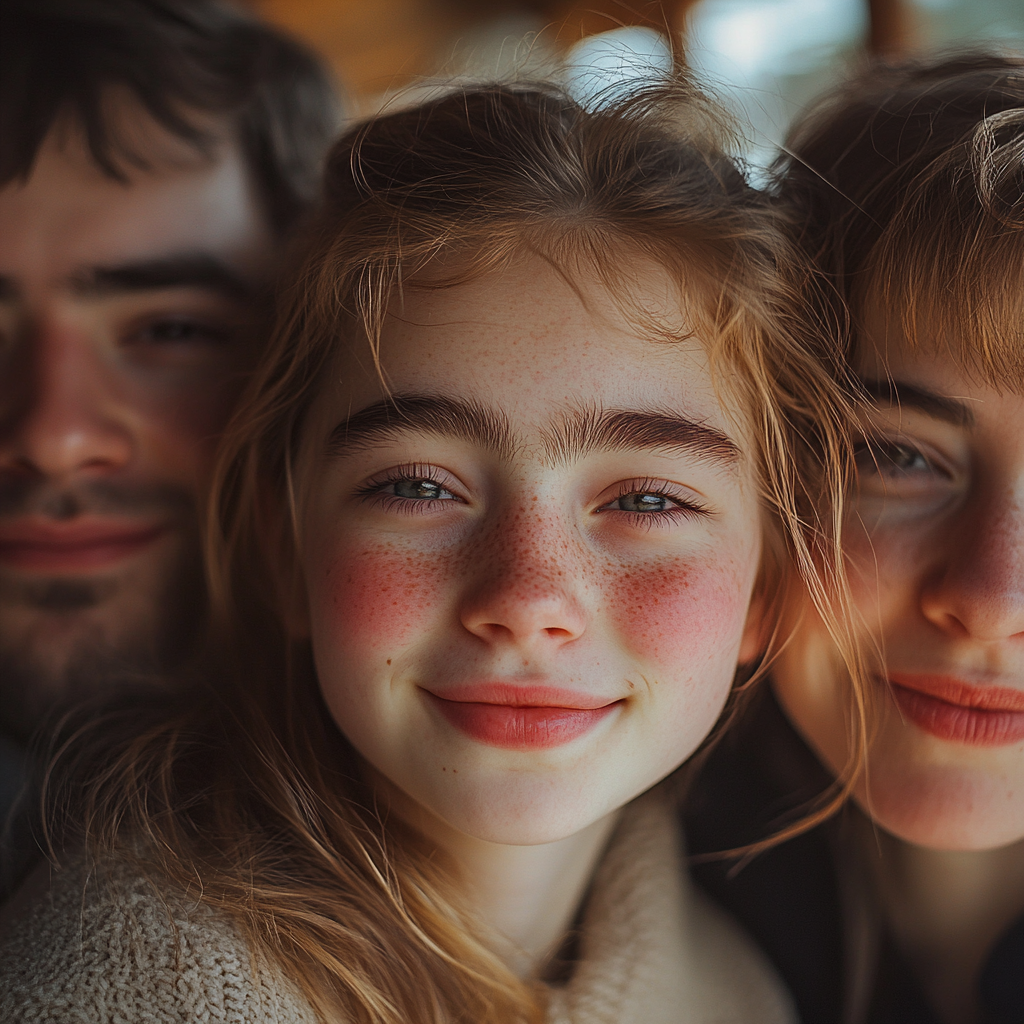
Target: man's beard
{"points": [[84, 637]]}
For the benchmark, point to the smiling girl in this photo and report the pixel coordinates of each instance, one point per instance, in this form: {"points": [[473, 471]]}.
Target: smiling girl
{"points": [[504, 510]]}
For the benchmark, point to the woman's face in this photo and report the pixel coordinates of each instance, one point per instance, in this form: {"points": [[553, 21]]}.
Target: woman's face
{"points": [[935, 548], [529, 557]]}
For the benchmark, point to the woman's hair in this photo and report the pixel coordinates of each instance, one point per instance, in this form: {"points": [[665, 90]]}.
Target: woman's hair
{"points": [[906, 187], [907, 183], [251, 798]]}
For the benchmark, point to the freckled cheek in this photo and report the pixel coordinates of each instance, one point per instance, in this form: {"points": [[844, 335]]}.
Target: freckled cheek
{"points": [[882, 567], [375, 598], [680, 615]]}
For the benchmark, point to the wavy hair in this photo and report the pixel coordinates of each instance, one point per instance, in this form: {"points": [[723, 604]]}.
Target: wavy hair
{"points": [[250, 798]]}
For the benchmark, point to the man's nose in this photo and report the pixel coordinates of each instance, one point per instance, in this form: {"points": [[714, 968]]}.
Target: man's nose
{"points": [[976, 589], [60, 409], [526, 587]]}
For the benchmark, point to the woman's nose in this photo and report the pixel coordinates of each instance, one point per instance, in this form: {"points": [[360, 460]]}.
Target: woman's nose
{"points": [[977, 587], [526, 587]]}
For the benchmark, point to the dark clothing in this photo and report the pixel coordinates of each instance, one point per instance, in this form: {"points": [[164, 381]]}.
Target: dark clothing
{"points": [[19, 847], [796, 900]]}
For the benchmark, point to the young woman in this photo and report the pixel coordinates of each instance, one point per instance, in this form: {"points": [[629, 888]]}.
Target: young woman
{"points": [[909, 183], [505, 508]]}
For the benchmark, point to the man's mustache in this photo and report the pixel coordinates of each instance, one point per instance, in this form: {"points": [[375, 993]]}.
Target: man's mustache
{"points": [[35, 497]]}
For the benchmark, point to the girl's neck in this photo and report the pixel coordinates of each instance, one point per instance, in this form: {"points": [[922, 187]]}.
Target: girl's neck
{"points": [[946, 910], [527, 896]]}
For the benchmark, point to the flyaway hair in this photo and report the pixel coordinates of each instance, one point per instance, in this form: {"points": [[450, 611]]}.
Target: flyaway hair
{"points": [[250, 798]]}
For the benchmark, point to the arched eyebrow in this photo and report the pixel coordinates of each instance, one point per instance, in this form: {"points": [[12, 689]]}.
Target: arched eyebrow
{"points": [[577, 434], [931, 403]]}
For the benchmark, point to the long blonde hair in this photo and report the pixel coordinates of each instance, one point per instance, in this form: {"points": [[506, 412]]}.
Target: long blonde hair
{"points": [[251, 798]]}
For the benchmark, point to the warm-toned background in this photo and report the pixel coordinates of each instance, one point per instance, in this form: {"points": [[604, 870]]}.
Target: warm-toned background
{"points": [[766, 56]]}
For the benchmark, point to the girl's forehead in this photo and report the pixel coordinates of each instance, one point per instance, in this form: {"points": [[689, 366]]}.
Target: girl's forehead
{"points": [[535, 344]]}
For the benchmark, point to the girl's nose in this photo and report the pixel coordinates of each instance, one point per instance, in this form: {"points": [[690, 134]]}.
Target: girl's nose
{"points": [[527, 588]]}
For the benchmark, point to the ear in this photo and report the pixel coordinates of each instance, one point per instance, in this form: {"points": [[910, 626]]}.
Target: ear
{"points": [[756, 630]]}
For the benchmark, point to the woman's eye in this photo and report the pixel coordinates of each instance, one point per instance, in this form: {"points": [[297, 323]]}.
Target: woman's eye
{"points": [[420, 490], [640, 501], [891, 459]]}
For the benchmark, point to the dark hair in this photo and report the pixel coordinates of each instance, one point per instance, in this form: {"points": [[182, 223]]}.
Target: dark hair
{"points": [[907, 182], [61, 58]]}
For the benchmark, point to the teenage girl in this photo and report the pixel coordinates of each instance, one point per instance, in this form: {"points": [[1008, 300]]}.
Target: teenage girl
{"points": [[507, 504]]}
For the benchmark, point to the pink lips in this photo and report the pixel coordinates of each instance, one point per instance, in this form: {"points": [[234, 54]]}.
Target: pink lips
{"points": [[952, 709], [38, 545], [521, 717]]}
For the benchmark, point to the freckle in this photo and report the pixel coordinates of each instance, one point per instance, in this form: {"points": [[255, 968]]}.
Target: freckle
{"points": [[443, 768], [455, 771], [389, 661]]}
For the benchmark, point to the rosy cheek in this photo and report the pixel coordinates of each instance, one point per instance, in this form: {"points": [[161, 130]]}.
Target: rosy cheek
{"points": [[378, 597], [678, 614]]}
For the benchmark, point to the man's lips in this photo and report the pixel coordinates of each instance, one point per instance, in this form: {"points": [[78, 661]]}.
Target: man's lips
{"points": [[980, 715], [39, 545], [521, 717]]}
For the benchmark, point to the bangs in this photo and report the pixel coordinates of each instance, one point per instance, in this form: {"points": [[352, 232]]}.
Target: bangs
{"points": [[951, 263]]}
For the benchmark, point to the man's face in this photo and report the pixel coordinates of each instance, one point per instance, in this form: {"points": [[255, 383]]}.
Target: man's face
{"points": [[123, 309], [935, 548]]}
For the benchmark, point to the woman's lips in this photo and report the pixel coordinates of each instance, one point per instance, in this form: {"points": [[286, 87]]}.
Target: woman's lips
{"points": [[951, 709], [521, 717], [75, 546]]}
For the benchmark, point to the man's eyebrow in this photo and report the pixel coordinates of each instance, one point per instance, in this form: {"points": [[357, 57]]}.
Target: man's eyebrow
{"points": [[190, 270], [940, 407], [426, 413], [590, 430]]}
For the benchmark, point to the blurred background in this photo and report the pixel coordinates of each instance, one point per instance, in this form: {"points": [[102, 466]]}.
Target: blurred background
{"points": [[765, 58]]}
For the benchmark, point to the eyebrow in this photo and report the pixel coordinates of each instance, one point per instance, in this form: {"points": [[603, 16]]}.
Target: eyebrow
{"points": [[434, 414], [190, 270], [940, 407], [589, 430], [578, 434]]}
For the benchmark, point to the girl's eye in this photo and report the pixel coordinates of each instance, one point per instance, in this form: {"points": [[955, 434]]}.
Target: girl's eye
{"points": [[645, 504], [420, 490], [639, 501]]}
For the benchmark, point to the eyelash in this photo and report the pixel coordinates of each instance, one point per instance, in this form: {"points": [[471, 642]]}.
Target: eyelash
{"points": [[684, 508], [372, 490]]}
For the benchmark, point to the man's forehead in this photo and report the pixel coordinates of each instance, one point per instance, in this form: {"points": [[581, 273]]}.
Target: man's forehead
{"points": [[68, 218]]}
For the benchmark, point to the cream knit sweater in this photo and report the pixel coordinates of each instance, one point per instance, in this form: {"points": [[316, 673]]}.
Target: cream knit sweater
{"points": [[652, 951]]}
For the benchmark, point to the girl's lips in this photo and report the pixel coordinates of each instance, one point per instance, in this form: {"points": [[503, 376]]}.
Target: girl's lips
{"points": [[521, 717], [962, 712], [76, 546]]}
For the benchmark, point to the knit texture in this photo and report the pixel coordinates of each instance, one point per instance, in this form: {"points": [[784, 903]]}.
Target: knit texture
{"points": [[110, 948]]}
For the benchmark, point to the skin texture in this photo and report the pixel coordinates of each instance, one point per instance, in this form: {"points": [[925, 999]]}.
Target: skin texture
{"points": [[935, 548], [527, 572], [111, 398]]}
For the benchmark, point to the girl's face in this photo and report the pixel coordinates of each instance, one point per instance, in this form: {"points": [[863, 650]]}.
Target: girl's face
{"points": [[935, 546], [529, 558]]}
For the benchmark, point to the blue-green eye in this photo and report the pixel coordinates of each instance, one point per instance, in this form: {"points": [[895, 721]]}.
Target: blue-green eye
{"points": [[642, 502], [420, 490]]}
